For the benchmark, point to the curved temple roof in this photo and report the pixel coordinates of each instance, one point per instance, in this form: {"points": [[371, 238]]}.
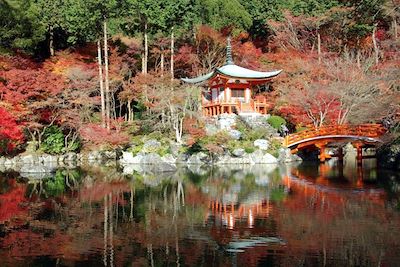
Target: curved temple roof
{"points": [[234, 71]]}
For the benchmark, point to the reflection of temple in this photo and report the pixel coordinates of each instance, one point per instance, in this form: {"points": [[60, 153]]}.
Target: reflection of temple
{"points": [[229, 213]]}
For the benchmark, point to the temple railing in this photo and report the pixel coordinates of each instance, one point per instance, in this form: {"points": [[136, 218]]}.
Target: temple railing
{"points": [[362, 130]]}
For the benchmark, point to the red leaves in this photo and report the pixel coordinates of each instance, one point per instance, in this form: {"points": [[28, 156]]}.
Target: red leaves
{"points": [[95, 134], [10, 133], [10, 201]]}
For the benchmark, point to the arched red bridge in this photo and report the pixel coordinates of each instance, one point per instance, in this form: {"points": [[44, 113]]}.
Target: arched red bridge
{"points": [[359, 135]]}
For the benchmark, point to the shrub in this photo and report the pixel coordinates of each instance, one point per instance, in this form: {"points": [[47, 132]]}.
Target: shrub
{"points": [[53, 142], [252, 135], [97, 135], [274, 147], [276, 121], [11, 134]]}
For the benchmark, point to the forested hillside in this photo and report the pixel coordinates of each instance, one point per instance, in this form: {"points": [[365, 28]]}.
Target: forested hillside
{"points": [[93, 72]]}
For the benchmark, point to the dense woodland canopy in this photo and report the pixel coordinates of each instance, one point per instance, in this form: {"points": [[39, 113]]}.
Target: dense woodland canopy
{"points": [[99, 71]]}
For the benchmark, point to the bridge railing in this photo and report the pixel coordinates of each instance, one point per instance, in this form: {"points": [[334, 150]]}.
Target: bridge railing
{"points": [[364, 130]]}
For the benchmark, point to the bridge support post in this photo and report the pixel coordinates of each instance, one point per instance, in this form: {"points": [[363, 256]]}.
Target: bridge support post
{"points": [[322, 155], [359, 157]]}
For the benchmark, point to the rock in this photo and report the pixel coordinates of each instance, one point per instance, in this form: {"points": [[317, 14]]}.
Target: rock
{"points": [[151, 145], [61, 159], [110, 155], [285, 156], [156, 163], [175, 148], [198, 158], [262, 144], [2, 160], [238, 152], [256, 157], [169, 159], [268, 159], [151, 158], [262, 180], [46, 158], [235, 134], [128, 158], [226, 159], [9, 162], [93, 156], [70, 157], [37, 168], [29, 159], [163, 167], [226, 121], [211, 129]]}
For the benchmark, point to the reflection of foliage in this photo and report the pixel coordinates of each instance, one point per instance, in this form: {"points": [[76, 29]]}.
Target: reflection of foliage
{"points": [[277, 194], [62, 181], [56, 185], [4, 185]]}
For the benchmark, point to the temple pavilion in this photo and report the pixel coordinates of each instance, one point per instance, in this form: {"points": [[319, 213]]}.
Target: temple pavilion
{"points": [[233, 89]]}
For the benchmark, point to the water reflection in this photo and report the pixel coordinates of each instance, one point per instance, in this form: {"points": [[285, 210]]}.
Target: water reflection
{"points": [[309, 215]]}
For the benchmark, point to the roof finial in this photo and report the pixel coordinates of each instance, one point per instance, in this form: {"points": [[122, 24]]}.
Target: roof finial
{"points": [[229, 60]]}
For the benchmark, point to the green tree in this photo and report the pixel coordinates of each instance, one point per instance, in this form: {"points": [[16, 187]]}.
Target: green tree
{"points": [[18, 28]]}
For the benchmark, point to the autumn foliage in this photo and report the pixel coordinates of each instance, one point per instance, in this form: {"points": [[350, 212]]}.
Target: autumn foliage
{"points": [[11, 135]]}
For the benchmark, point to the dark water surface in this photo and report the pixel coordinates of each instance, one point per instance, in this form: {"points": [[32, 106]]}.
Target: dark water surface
{"points": [[309, 215]]}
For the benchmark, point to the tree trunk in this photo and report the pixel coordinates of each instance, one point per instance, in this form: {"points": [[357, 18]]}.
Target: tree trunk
{"points": [[376, 50], [319, 47], [107, 82], [172, 54], [162, 64], [129, 110], [51, 41], [358, 58], [103, 107], [395, 30], [146, 49]]}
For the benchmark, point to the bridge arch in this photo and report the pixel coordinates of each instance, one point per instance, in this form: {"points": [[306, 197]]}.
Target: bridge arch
{"points": [[360, 136]]}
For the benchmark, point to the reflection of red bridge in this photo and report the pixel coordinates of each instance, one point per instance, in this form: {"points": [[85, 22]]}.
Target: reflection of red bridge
{"points": [[359, 135]]}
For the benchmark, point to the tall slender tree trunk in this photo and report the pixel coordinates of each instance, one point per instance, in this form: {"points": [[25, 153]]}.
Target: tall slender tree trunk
{"points": [[107, 82], [162, 63], [319, 47], [129, 110], [395, 29], [172, 54], [143, 68], [51, 40], [358, 58], [146, 49], [103, 106], [376, 49]]}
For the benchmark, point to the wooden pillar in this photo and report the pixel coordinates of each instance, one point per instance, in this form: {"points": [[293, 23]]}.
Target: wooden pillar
{"points": [[322, 156], [340, 154], [359, 157]]}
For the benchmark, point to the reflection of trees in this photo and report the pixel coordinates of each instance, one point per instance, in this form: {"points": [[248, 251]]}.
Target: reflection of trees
{"points": [[104, 218]]}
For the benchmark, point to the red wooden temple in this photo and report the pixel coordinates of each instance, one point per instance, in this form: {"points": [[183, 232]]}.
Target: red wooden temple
{"points": [[232, 89]]}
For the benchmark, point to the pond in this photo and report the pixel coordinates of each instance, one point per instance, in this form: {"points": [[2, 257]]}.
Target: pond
{"points": [[265, 215]]}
